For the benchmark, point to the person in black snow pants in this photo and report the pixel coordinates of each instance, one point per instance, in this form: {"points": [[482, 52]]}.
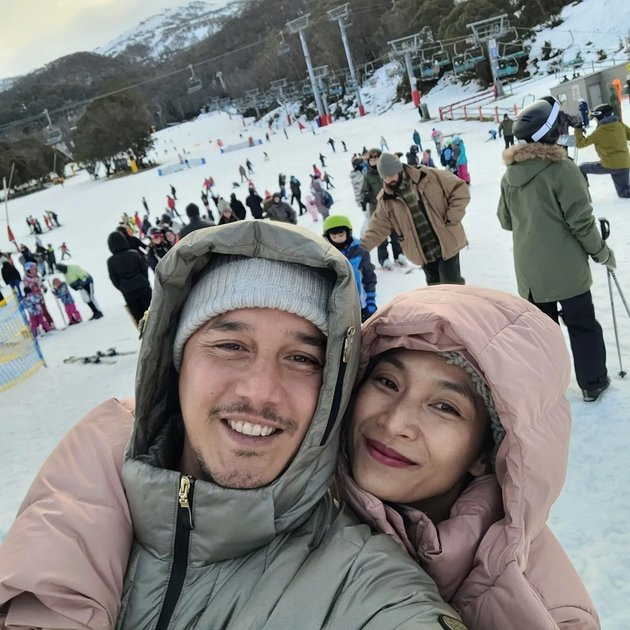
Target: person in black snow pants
{"points": [[237, 207], [254, 203], [296, 193], [129, 273]]}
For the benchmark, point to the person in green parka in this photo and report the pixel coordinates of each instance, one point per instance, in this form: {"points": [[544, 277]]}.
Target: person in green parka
{"points": [[372, 185], [545, 204], [610, 140]]}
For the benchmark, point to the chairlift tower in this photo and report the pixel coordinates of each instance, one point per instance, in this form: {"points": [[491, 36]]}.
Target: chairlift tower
{"points": [[405, 47], [488, 31], [340, 15], [299, 25], [321, 72]]}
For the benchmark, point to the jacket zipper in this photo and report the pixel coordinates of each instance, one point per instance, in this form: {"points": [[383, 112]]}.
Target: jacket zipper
{"points": [[183, 527], [336, 401]]}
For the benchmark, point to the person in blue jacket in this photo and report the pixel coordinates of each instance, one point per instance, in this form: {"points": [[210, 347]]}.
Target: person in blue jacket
{"points": [[338, 231], [461, 160]]}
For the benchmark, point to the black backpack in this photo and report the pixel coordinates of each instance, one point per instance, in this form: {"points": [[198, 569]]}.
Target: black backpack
{"points": [[327, 199]]}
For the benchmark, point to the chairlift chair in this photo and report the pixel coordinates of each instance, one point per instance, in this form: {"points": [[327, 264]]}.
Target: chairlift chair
{"points": [[576, 61], [334, 87], [283, 47], [53, 135], [429, 70], [458, 63], [351, 85], [194, 83], [476, 55], [441, 58], [462, 63], [513, 50], [506, 67]]}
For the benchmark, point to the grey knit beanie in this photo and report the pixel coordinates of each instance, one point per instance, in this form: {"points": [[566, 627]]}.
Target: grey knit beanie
{"points": [[498, 432], [232, 282], [388, 165]]}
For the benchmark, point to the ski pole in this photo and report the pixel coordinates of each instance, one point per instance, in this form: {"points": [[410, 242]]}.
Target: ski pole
{"points": [[622, 373], [621, 295], [605, 229], [56, 299]]}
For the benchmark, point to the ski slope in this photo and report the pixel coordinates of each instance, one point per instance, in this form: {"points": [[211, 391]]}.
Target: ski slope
{"points": [[591, 516]]}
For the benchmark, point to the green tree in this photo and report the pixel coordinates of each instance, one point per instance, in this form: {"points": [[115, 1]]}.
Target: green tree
{"points": [[33, 160], [111, 126]]}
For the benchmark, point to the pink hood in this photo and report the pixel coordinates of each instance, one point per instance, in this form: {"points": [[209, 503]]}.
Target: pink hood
{"points": [[494, 559]]}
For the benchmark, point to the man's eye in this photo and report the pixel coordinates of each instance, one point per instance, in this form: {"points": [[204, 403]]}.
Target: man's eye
{"points": [[229, 346], [304, 359]]}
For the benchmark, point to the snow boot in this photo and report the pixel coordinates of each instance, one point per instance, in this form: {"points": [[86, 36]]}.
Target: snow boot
{"points": [[593, 393]]}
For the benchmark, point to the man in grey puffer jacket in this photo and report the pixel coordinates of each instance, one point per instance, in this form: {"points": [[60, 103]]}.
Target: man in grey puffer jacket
{"points": [[234, 456]]}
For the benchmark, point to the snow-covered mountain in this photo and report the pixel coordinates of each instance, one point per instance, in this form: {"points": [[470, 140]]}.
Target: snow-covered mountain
{"points": [[172, 29]]}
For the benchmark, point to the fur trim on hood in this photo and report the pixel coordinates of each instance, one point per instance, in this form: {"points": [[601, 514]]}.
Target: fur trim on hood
{"points": [[532, 150]]}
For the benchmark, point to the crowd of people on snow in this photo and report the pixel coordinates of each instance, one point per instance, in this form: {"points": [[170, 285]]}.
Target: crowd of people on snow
{"points": [[38, 278], [310, 429]]}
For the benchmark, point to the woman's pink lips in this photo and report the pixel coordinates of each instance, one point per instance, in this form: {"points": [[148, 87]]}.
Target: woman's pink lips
{"points": [[386, 455]]}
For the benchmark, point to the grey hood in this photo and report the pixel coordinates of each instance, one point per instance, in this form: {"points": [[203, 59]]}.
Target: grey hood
{"points": [[232, 522]]}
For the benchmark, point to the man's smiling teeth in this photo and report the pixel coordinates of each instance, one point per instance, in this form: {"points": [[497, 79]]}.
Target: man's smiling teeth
{"points": [[247, 428]]}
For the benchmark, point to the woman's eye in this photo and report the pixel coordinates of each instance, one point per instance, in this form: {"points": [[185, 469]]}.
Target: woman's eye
{"points": [[446, 408]]}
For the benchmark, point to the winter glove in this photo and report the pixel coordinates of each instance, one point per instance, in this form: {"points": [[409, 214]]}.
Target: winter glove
{"points": [[610, 262], [606, 257], [370, 306]]}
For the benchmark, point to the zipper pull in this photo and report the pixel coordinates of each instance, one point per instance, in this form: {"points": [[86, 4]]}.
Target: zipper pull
{"points": [[185, 484], [347, 344]]}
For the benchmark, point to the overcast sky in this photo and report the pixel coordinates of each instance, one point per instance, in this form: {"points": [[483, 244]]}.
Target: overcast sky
{"points": [[34, 32]]}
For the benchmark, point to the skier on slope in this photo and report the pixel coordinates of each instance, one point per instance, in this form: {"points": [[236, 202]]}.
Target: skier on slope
{"points": [[80, 280], [545, 204]]}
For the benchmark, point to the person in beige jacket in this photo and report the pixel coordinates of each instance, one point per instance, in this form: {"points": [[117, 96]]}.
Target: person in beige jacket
{"points": [[457, 447], [425, 207], [221, 516]]}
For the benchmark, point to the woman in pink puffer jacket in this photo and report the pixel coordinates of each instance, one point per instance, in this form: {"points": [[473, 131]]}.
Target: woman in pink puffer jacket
{"points": [[457, 447]]}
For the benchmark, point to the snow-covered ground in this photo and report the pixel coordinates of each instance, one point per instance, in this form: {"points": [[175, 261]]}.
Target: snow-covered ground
{"points": [[590, 518]]}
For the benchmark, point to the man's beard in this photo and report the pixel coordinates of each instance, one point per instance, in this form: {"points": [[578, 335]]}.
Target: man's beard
{"points": [[395, 185]]}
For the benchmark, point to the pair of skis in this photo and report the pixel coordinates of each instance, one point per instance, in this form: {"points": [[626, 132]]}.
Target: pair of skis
{"points": [[406, 269], [100, 357]]}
